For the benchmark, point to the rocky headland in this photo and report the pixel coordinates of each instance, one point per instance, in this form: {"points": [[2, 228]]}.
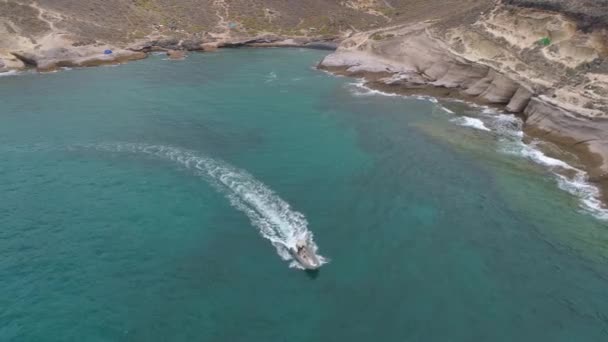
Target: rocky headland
{"points": [[544, 60]]}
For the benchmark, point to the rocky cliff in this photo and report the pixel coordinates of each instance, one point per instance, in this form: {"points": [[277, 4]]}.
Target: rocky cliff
{"points": [[549, 67]]}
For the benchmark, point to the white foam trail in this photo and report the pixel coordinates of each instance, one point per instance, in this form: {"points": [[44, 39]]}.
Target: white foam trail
{"points": [[274, 218], [471, 122]]}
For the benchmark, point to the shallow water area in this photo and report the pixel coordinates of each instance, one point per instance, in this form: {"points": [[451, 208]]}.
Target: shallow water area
{"points": [[153, 201]]}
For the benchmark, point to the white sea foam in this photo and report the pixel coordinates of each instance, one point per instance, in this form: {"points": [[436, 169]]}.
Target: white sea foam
{"points": [[577, 185], [588, 193], [447, 110], [506, 125], [271, 77], [360, 89], [471, 122], [326, 72], [530, 152], [9, 73], [271, 215], [509, 130]]}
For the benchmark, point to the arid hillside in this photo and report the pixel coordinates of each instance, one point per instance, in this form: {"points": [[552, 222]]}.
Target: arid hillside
{"points": [[589, 14], [42, 27], [124, 20]]}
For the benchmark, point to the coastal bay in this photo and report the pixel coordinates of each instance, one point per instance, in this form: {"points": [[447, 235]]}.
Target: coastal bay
{"points": [[131, 210]]}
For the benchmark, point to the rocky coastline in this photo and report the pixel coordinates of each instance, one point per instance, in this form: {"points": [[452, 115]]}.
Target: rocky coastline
{"points": [[69, 57], [560, 92]]}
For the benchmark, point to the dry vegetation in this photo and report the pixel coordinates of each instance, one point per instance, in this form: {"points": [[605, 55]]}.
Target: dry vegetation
{"points": [[589, 14], [118, 21]]}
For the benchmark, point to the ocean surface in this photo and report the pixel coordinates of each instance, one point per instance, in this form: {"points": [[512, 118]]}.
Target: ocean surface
{"points": [[154, 201]]}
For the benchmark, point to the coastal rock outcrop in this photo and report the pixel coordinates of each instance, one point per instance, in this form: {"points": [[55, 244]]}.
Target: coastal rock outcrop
{"points": [[118, 57], [28, 59], [54, 59], [519, 101], [167, 44], [176, 54], [192, 44], [500, 91], [208, 47], [558, 84], [588, 137], [461, 75]]}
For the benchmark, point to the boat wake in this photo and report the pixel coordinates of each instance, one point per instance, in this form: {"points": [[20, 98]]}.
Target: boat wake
{"points": [[270, 214]]}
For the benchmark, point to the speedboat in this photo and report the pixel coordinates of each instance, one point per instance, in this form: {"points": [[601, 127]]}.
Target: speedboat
{"points": [[305, 256]]}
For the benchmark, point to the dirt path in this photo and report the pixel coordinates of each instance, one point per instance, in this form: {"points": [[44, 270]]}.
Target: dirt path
{"points": [[221, 11]]}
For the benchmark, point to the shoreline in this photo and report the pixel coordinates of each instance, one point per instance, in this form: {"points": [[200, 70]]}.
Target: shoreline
{"points": [[377, 81], [571, 174], [75, 57], [560, 99]]}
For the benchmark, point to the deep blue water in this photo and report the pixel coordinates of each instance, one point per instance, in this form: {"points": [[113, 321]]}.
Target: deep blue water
{"points": [[141, 203]]}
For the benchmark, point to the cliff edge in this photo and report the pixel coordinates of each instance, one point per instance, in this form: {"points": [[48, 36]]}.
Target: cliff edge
{"points": [[549, 67]]}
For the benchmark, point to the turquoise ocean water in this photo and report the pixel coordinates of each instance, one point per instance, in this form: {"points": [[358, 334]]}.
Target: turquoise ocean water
{"points": [[152, 201]]}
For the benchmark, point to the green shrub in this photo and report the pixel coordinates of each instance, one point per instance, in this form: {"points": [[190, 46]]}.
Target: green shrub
{"points": [[545, 41]]}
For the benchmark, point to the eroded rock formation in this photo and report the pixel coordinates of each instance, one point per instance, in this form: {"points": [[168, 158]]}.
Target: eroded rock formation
{"points": [[560, 88]]}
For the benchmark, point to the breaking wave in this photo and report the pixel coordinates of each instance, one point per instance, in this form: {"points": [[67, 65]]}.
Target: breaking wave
{"points": [[576, 182], [509, 131], [471, 122], [271, 215], [359, 88]]}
